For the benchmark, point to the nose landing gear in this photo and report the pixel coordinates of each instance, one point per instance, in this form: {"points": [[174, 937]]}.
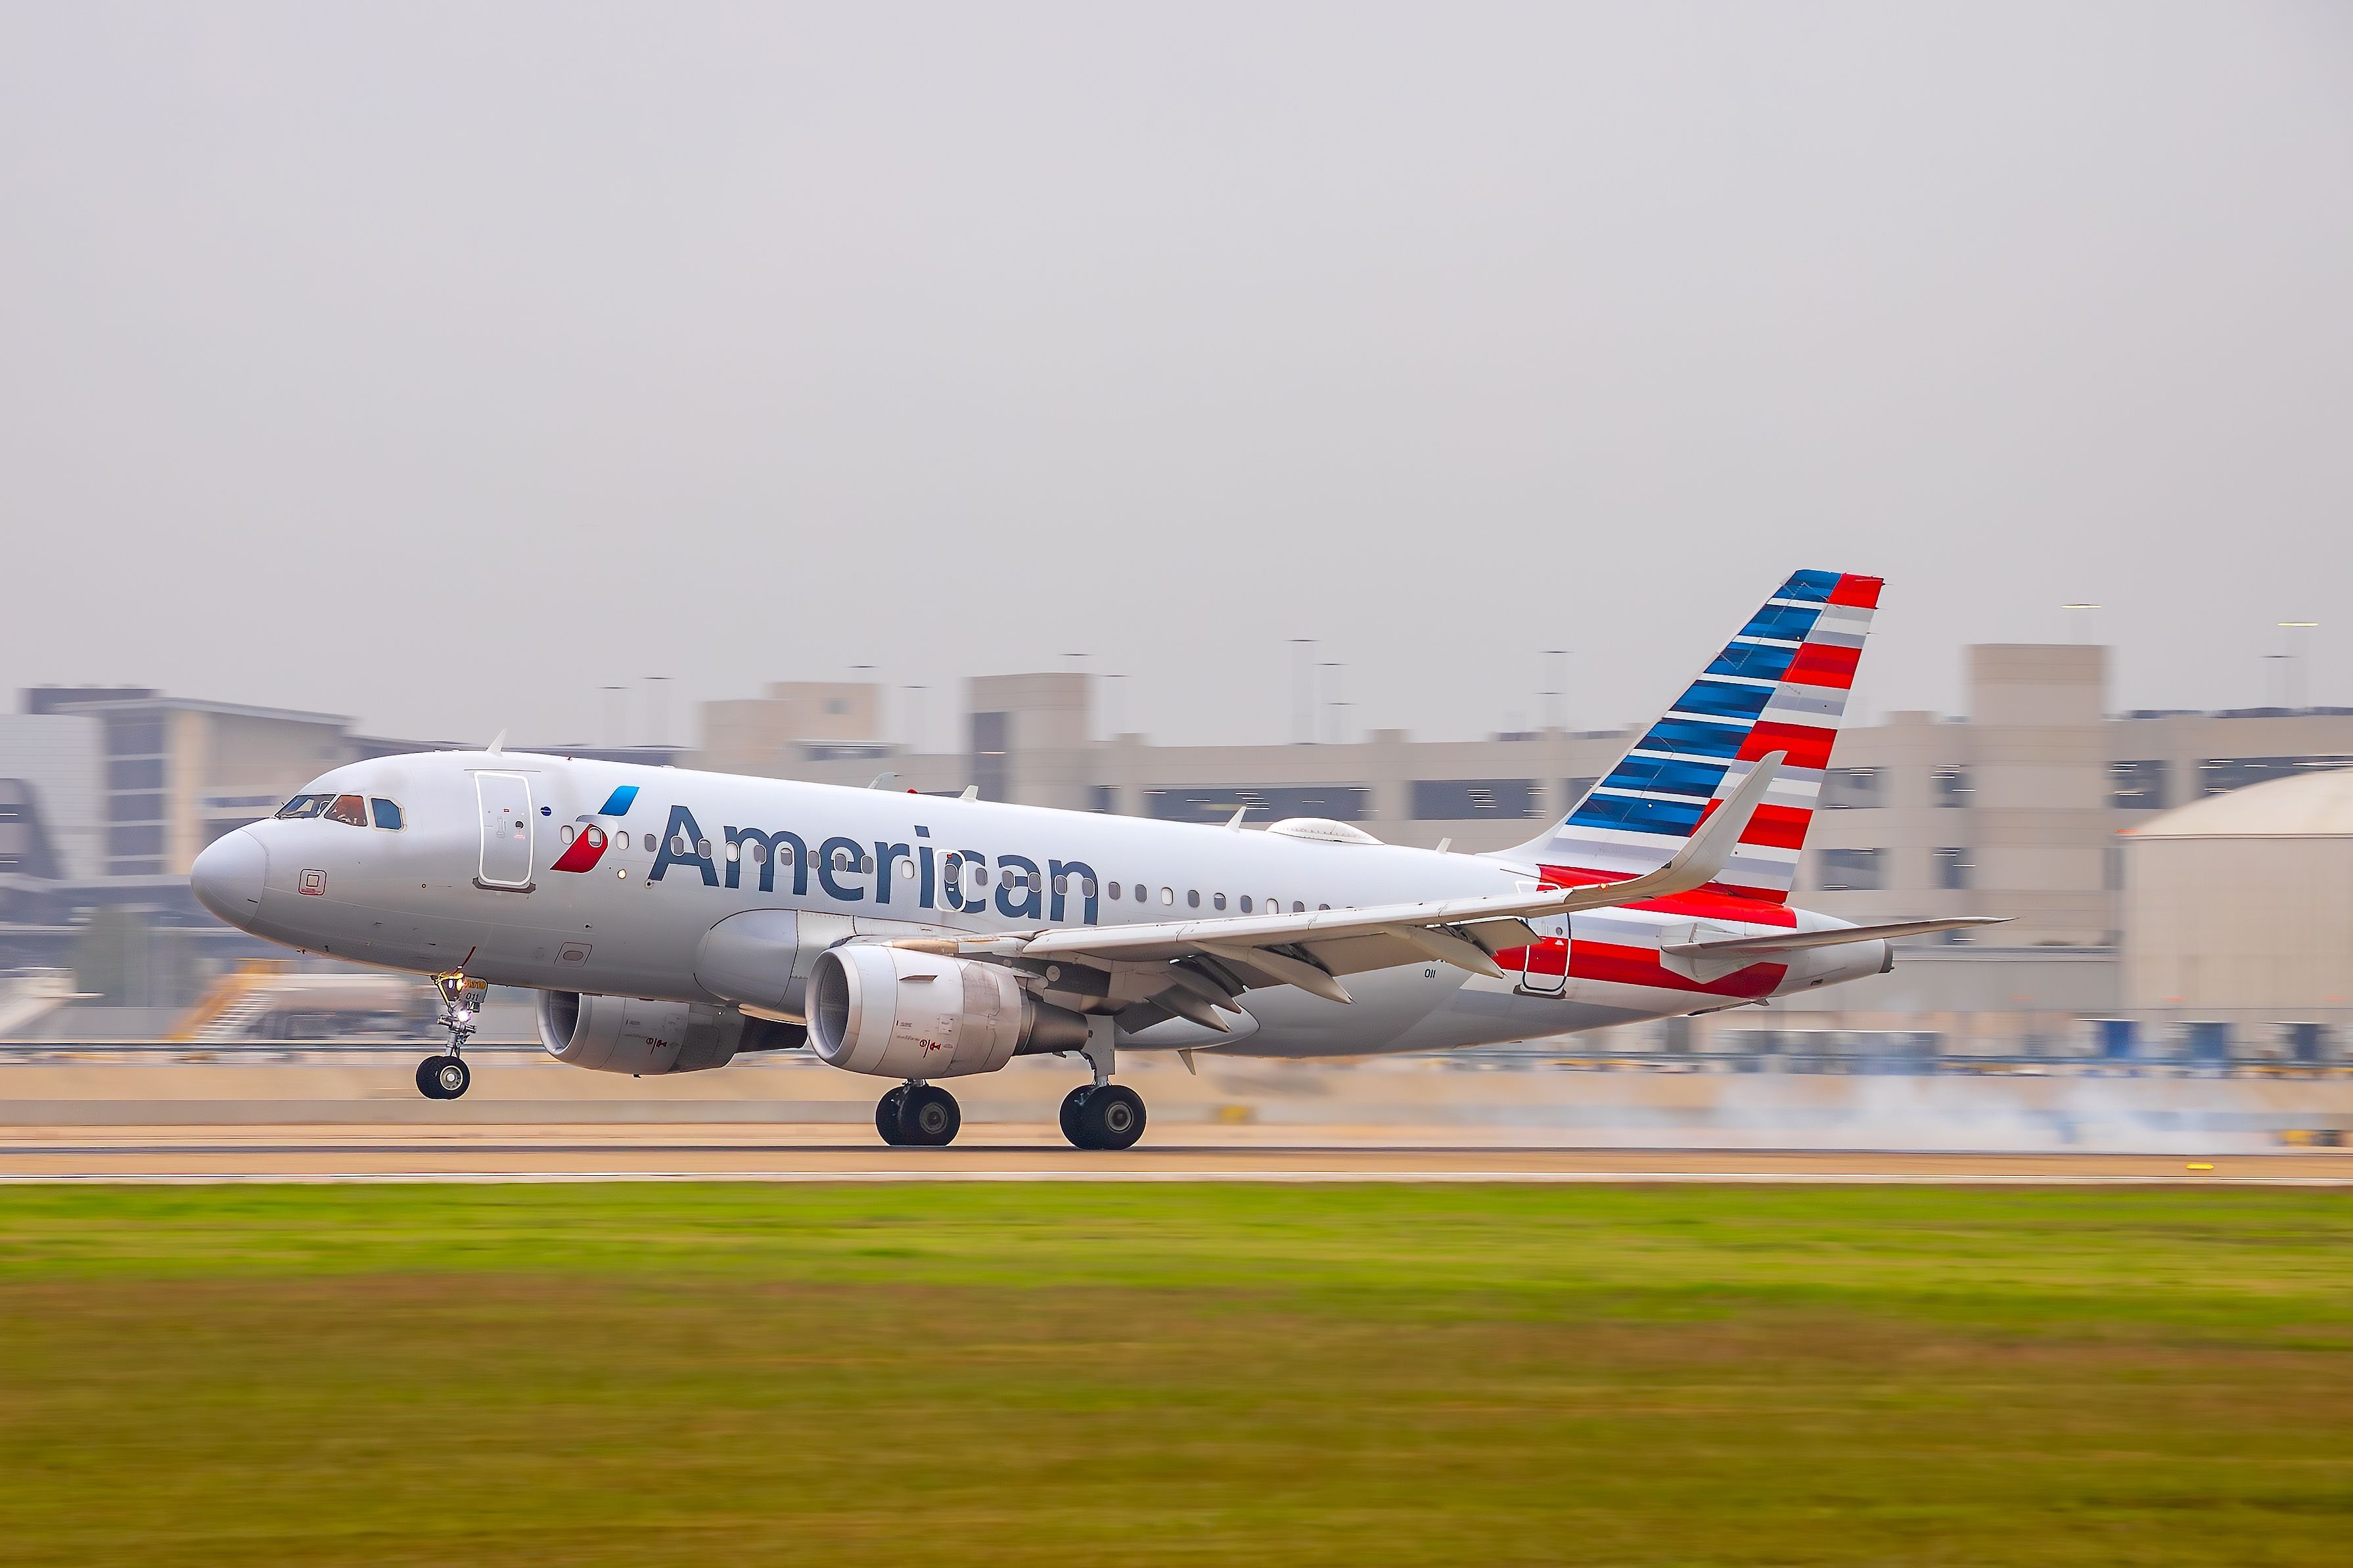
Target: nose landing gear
{"points": [[445, 1077]]}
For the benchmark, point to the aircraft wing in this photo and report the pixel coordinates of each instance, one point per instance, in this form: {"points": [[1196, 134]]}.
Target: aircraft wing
{"points": [[1312, 948]]}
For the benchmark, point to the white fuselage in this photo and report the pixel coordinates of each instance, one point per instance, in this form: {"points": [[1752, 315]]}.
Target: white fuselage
{"points": [[474, 879]]}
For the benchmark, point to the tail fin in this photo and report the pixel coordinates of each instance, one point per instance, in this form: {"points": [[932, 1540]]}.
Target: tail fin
{"points": [[1780, 685]]}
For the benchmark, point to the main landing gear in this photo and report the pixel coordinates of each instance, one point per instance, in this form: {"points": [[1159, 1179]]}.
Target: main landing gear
{"points": [[918, 1113], [1102, 1114], [445, 1077]]}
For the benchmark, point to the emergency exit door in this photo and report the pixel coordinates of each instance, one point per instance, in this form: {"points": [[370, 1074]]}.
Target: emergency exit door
{"points": [[506, 829]]}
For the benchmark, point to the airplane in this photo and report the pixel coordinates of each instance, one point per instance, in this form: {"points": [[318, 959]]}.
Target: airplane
{"points": [[670, 919]]}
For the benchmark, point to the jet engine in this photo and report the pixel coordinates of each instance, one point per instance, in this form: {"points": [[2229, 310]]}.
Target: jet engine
{"points": [[625, 1034], [896, 1012]]}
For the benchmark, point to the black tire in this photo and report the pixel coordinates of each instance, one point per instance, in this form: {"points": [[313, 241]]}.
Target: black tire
{"points": [[451, 1077], [426, 1083], [1072, 1104], [1113, 1118], [887, 1120], [930, 1117]]}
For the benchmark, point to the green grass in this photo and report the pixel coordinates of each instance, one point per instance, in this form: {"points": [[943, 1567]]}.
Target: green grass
{"points": [[649, 1375]]}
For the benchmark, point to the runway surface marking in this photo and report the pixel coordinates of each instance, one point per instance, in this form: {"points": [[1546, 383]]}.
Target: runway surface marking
{"points": [[821, 1153]]}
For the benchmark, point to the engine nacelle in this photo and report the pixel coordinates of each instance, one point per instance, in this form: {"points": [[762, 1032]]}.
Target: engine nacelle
{"points": [[896, 1012], [627, 1034]]}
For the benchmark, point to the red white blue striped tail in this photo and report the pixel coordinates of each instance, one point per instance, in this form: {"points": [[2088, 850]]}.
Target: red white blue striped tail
{"points": [[1778, 686]]}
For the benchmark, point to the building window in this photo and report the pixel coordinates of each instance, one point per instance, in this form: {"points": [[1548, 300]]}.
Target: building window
{"points": [[2137, 785], [2219, 775], [1852, 871], [134, 808], [1955, 868], [1464, 800], [1850, 789], [138, 772], [992, 741], [1103, 798], [134, 738], [1949, 785], [135, 840]]}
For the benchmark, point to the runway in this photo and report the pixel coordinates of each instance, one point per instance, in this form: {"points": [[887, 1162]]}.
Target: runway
{"points": [[731, 1152]]}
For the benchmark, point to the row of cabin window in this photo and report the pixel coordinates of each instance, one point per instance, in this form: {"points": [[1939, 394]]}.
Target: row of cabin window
{"points": [[348, 809]]}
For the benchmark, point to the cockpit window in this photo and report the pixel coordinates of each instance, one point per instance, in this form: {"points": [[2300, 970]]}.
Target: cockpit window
{"points": [[303, 805], [348, 808], [387, 813]]}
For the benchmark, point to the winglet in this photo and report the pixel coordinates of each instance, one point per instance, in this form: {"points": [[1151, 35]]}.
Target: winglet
{"points": [[1235, 825], [498, 744], [971, 792]]}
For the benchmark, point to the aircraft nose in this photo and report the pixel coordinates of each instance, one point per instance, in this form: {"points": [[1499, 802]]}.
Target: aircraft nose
{"points": [[227, 877]]}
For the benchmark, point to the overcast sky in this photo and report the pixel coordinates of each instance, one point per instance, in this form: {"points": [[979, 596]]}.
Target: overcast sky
{"points": [[443, 365]]}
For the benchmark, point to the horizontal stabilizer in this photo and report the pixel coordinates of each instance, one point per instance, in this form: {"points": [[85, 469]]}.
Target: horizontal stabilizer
{"points": [[1764, 947]]}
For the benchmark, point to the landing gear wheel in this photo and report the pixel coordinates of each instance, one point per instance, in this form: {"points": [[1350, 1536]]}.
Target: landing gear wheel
{"points": [[450, 1076], [887, 1116], [1111, 1117], [930, 1117], [427, 1084], [1072, 1104]]}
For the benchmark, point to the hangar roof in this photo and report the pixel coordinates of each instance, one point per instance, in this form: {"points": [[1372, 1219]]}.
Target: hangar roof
{"points": [[2309, 805]]}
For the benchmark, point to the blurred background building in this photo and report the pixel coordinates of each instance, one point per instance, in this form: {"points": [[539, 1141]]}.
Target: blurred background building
{"points": [[2128, 848]]}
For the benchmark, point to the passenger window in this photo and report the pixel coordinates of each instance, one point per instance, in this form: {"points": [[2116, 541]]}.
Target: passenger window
{"points": [[1086, 887], [1168, 895], [1061, 886], [652, 843], [1113, 889], [734, 853], [1005, 878], [784, 854], [349, 809], [1323, 906], [906, 868], [1216, 900], [1193, 898], [760, 853], [1246, 903], [1297, 907], [564, 833], [303, 805], [702, 848], [595, 838], [678, 843], [387, 814]]}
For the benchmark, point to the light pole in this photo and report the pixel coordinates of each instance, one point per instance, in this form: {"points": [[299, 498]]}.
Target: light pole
{"points": [[657, 709], [1302, 725], [2298, 648]]}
